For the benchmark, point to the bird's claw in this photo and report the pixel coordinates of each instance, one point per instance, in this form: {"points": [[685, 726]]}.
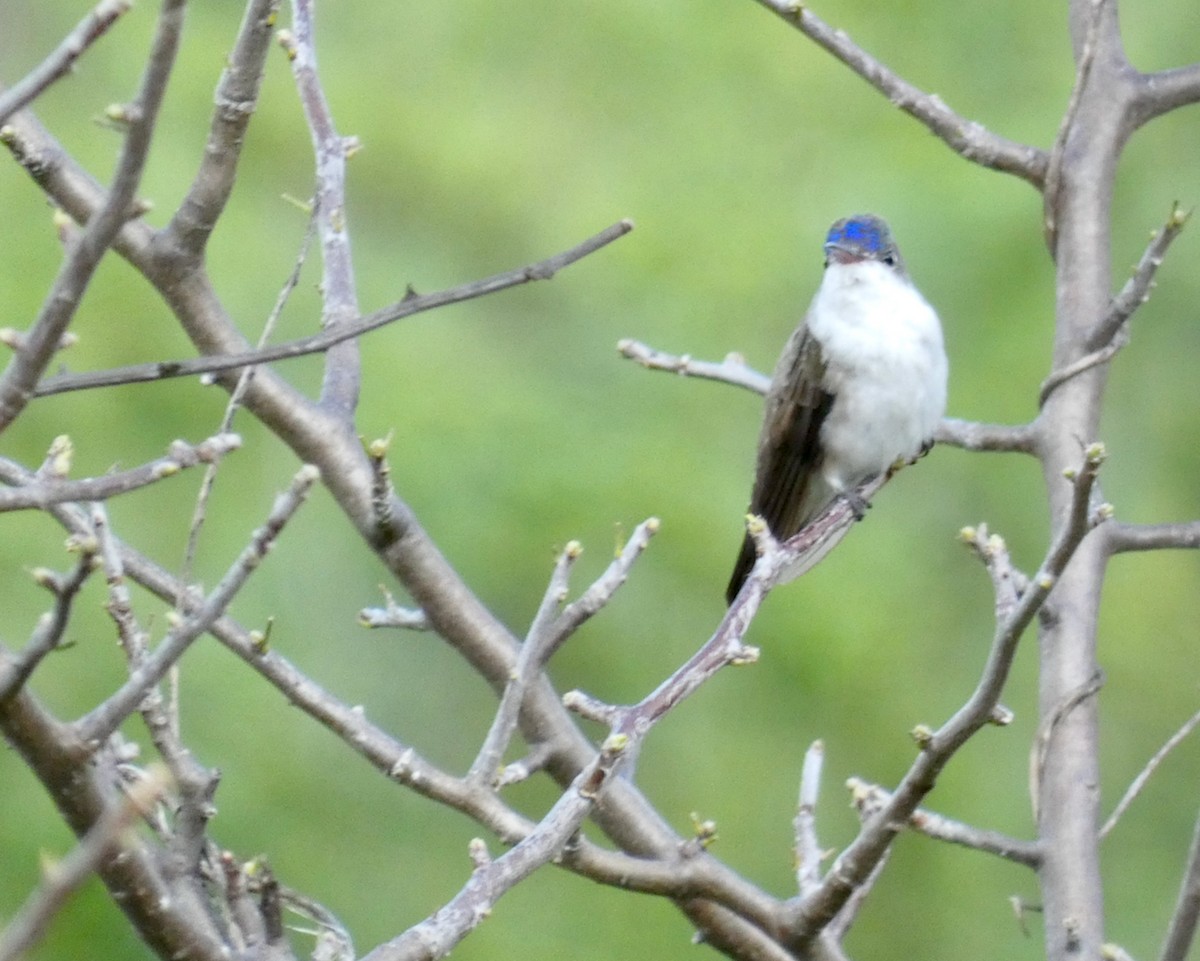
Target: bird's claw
{"points": [[857, 503]]}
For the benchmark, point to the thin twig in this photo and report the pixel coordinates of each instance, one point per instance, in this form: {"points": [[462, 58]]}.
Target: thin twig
{"points": [[316, 343], [1182, 929], [231, 408], [532, 656], [868, 807], [1040, 747], [51, 626], [1103, 355], [732, 370], [600, 592], [942, 828], [1137, 289], [105, 718], [1053, 173], [41, 494], [1139, 782], [62, 59]]}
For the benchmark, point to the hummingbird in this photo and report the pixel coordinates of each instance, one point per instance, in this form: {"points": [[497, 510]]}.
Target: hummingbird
{"points": [[860, 387]]}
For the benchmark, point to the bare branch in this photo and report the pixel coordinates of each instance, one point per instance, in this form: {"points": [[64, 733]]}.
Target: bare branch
{"points": [[343, 375], [486, 768], [732, 370], [808, 848], [1059, 377], [941, 828], [62, 59], [969, 139], [1121, 537], [1139, 782], [1137, 289], [236, 99], [104, 719], [602, 589], [48, 634], [1182, 929], [61, 880], [1008, 583], [42, 493], [809, 915], [971, 435], [22, 374], [316, 343], [1161, 92]]}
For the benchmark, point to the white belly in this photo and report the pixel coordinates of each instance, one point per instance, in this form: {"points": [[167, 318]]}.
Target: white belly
{"points": [[885, 366]]}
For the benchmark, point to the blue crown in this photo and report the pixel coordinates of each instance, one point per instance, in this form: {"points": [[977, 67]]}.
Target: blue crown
{"points": [[866, 233]]}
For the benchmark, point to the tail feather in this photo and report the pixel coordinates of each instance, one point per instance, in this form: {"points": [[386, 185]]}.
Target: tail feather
{"points": [[741, 570]]}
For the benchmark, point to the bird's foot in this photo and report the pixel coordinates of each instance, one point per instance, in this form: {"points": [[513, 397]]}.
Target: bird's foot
{"points": [[856, 502]]}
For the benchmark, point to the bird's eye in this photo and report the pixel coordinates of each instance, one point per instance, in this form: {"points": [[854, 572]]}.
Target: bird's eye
{"points": [[889, 259]]}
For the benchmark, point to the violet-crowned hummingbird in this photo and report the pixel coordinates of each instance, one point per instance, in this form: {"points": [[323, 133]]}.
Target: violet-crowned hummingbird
{"points": [[859, 387]]}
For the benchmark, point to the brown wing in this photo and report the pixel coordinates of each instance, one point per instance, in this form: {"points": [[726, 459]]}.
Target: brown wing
{"points": [[788, 487]]}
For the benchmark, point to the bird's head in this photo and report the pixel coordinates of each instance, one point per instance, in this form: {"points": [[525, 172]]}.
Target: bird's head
{"points": [[860, 238]]}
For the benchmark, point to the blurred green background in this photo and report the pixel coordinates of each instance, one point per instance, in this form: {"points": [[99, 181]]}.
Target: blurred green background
{"points": [[494, 136]]}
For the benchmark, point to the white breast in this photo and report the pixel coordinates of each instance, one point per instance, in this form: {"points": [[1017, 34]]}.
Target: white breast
{"points": [[885, 366]]}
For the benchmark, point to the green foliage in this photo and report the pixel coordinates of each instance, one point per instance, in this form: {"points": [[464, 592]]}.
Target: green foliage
{"points": [[494, 136]]}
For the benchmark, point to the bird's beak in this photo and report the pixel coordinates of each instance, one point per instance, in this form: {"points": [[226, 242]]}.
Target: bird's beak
{"points": [[837, 254]]}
